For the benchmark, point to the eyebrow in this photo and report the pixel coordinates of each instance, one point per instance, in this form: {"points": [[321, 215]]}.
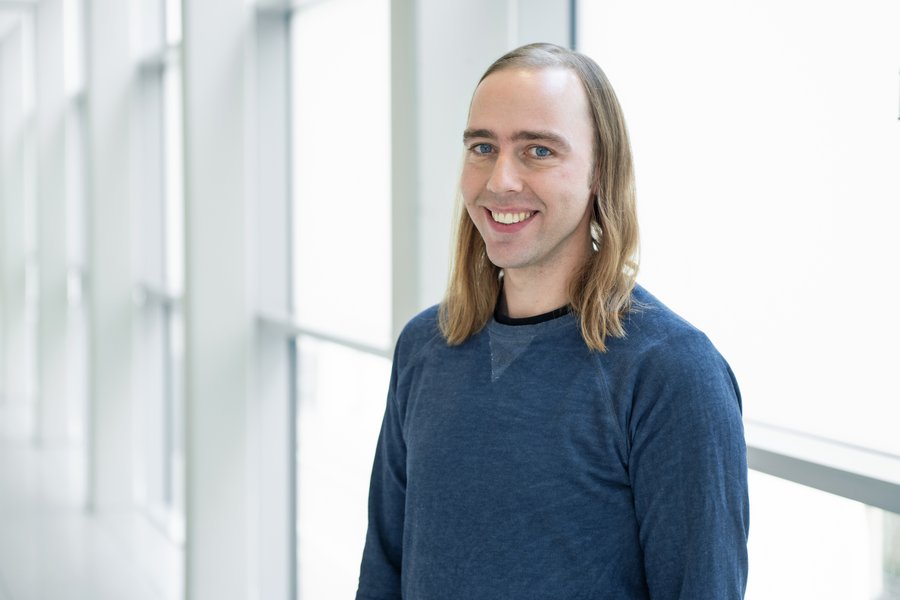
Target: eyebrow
{"points": [[539, 135]]}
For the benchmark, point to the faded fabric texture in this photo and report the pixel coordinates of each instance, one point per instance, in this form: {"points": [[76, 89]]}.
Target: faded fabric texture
{"points": [[521, 465]]}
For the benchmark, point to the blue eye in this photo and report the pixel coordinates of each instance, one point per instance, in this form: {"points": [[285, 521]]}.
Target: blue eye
{"points": [[482, 148], [541, 152]]}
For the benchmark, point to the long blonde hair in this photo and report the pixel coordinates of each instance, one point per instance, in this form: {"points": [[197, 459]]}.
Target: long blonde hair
{"points": [[600, 292]]}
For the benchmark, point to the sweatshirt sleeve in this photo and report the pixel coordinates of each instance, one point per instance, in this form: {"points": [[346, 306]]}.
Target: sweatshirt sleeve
{"points": [[688, 468], [379, 577]]}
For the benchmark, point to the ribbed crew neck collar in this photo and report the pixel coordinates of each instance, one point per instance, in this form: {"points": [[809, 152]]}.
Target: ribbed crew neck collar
{"points": [[547, 316]]}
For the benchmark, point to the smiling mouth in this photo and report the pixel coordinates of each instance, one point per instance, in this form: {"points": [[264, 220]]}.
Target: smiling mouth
{"points": [[509, 218]]}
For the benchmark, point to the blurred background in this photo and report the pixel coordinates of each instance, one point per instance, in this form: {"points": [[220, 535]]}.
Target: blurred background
{"points": [[217, 215]]}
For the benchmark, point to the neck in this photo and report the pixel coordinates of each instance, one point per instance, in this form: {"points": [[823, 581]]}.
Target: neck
{"points": [[532, 294], [543, 286]]}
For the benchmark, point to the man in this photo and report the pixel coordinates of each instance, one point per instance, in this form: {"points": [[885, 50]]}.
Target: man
{"points": [[552, 430]]}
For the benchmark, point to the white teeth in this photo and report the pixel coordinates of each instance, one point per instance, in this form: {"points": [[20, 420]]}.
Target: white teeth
{"points": [[510, 218]]}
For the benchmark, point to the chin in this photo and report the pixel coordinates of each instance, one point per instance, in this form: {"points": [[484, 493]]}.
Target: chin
{"points": [[505, 262]]}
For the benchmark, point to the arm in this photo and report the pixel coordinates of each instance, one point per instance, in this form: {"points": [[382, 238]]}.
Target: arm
{"points": [[688, 468], [379, 577]]}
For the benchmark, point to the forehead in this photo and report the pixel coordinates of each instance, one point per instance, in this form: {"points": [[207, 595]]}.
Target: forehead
{"points": [[545, 98]]}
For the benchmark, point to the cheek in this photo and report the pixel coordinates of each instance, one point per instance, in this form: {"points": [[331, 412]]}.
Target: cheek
{"points": [[470, 183], [580, 182], [474, 214]]}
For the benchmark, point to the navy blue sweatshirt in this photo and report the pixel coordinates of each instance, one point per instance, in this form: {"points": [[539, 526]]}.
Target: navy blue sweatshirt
{"points": [[522, 465]]}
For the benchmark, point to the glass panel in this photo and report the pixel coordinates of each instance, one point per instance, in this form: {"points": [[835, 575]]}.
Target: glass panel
{"points": [[341, 168], [174, 178], [175, 417], [150, 23], [342, 399], [148, 216], [150, 395], [173, 22], [29, 194], [77, 360], [76, 174], [160, 221], [73, 46], [75, 165], [28, 66], [767, 177], [159, 415], [805, 543], [890, 565]]}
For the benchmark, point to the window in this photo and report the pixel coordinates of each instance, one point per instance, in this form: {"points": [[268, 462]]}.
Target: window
{"points": [[342, 398], [341, 149], [18, 257], [793, 555], [341, 158], [76, 213], [159, 227]]}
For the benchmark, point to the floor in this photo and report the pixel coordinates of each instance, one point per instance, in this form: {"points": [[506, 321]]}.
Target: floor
{"points": [[52, 549]]}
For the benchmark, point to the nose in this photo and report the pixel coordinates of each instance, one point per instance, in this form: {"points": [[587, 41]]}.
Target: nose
{"points": [[505, 176]]}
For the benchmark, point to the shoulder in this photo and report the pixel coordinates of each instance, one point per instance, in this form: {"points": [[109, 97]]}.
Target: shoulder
{"points": [[419, 335], [652, 328], [669, 354]]}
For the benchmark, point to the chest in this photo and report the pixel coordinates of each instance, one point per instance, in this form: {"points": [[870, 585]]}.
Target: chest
{"points": [[548, 419]]}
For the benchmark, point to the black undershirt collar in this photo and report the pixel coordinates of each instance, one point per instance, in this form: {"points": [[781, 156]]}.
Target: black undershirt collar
{"points": [[547, 316]]}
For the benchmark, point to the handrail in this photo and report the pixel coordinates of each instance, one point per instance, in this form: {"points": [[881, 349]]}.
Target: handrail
{"points": [[290, 327], [149, 293], [851, 471]]}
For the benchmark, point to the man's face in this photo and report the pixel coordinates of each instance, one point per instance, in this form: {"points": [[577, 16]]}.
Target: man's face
{"points": [[527, 171]]}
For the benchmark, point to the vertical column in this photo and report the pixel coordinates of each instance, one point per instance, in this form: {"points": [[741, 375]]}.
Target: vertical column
{"points": [[109, 77], [51, 224], [217, 310], [3, 152], [13, 378], [275, 423], [405, 166]]}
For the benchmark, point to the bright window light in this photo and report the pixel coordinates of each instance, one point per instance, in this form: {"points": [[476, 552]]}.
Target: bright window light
{"points": [[173, 22], [341, 168], [338, 422], [73, 46], [174, 178], [793, 555]]}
